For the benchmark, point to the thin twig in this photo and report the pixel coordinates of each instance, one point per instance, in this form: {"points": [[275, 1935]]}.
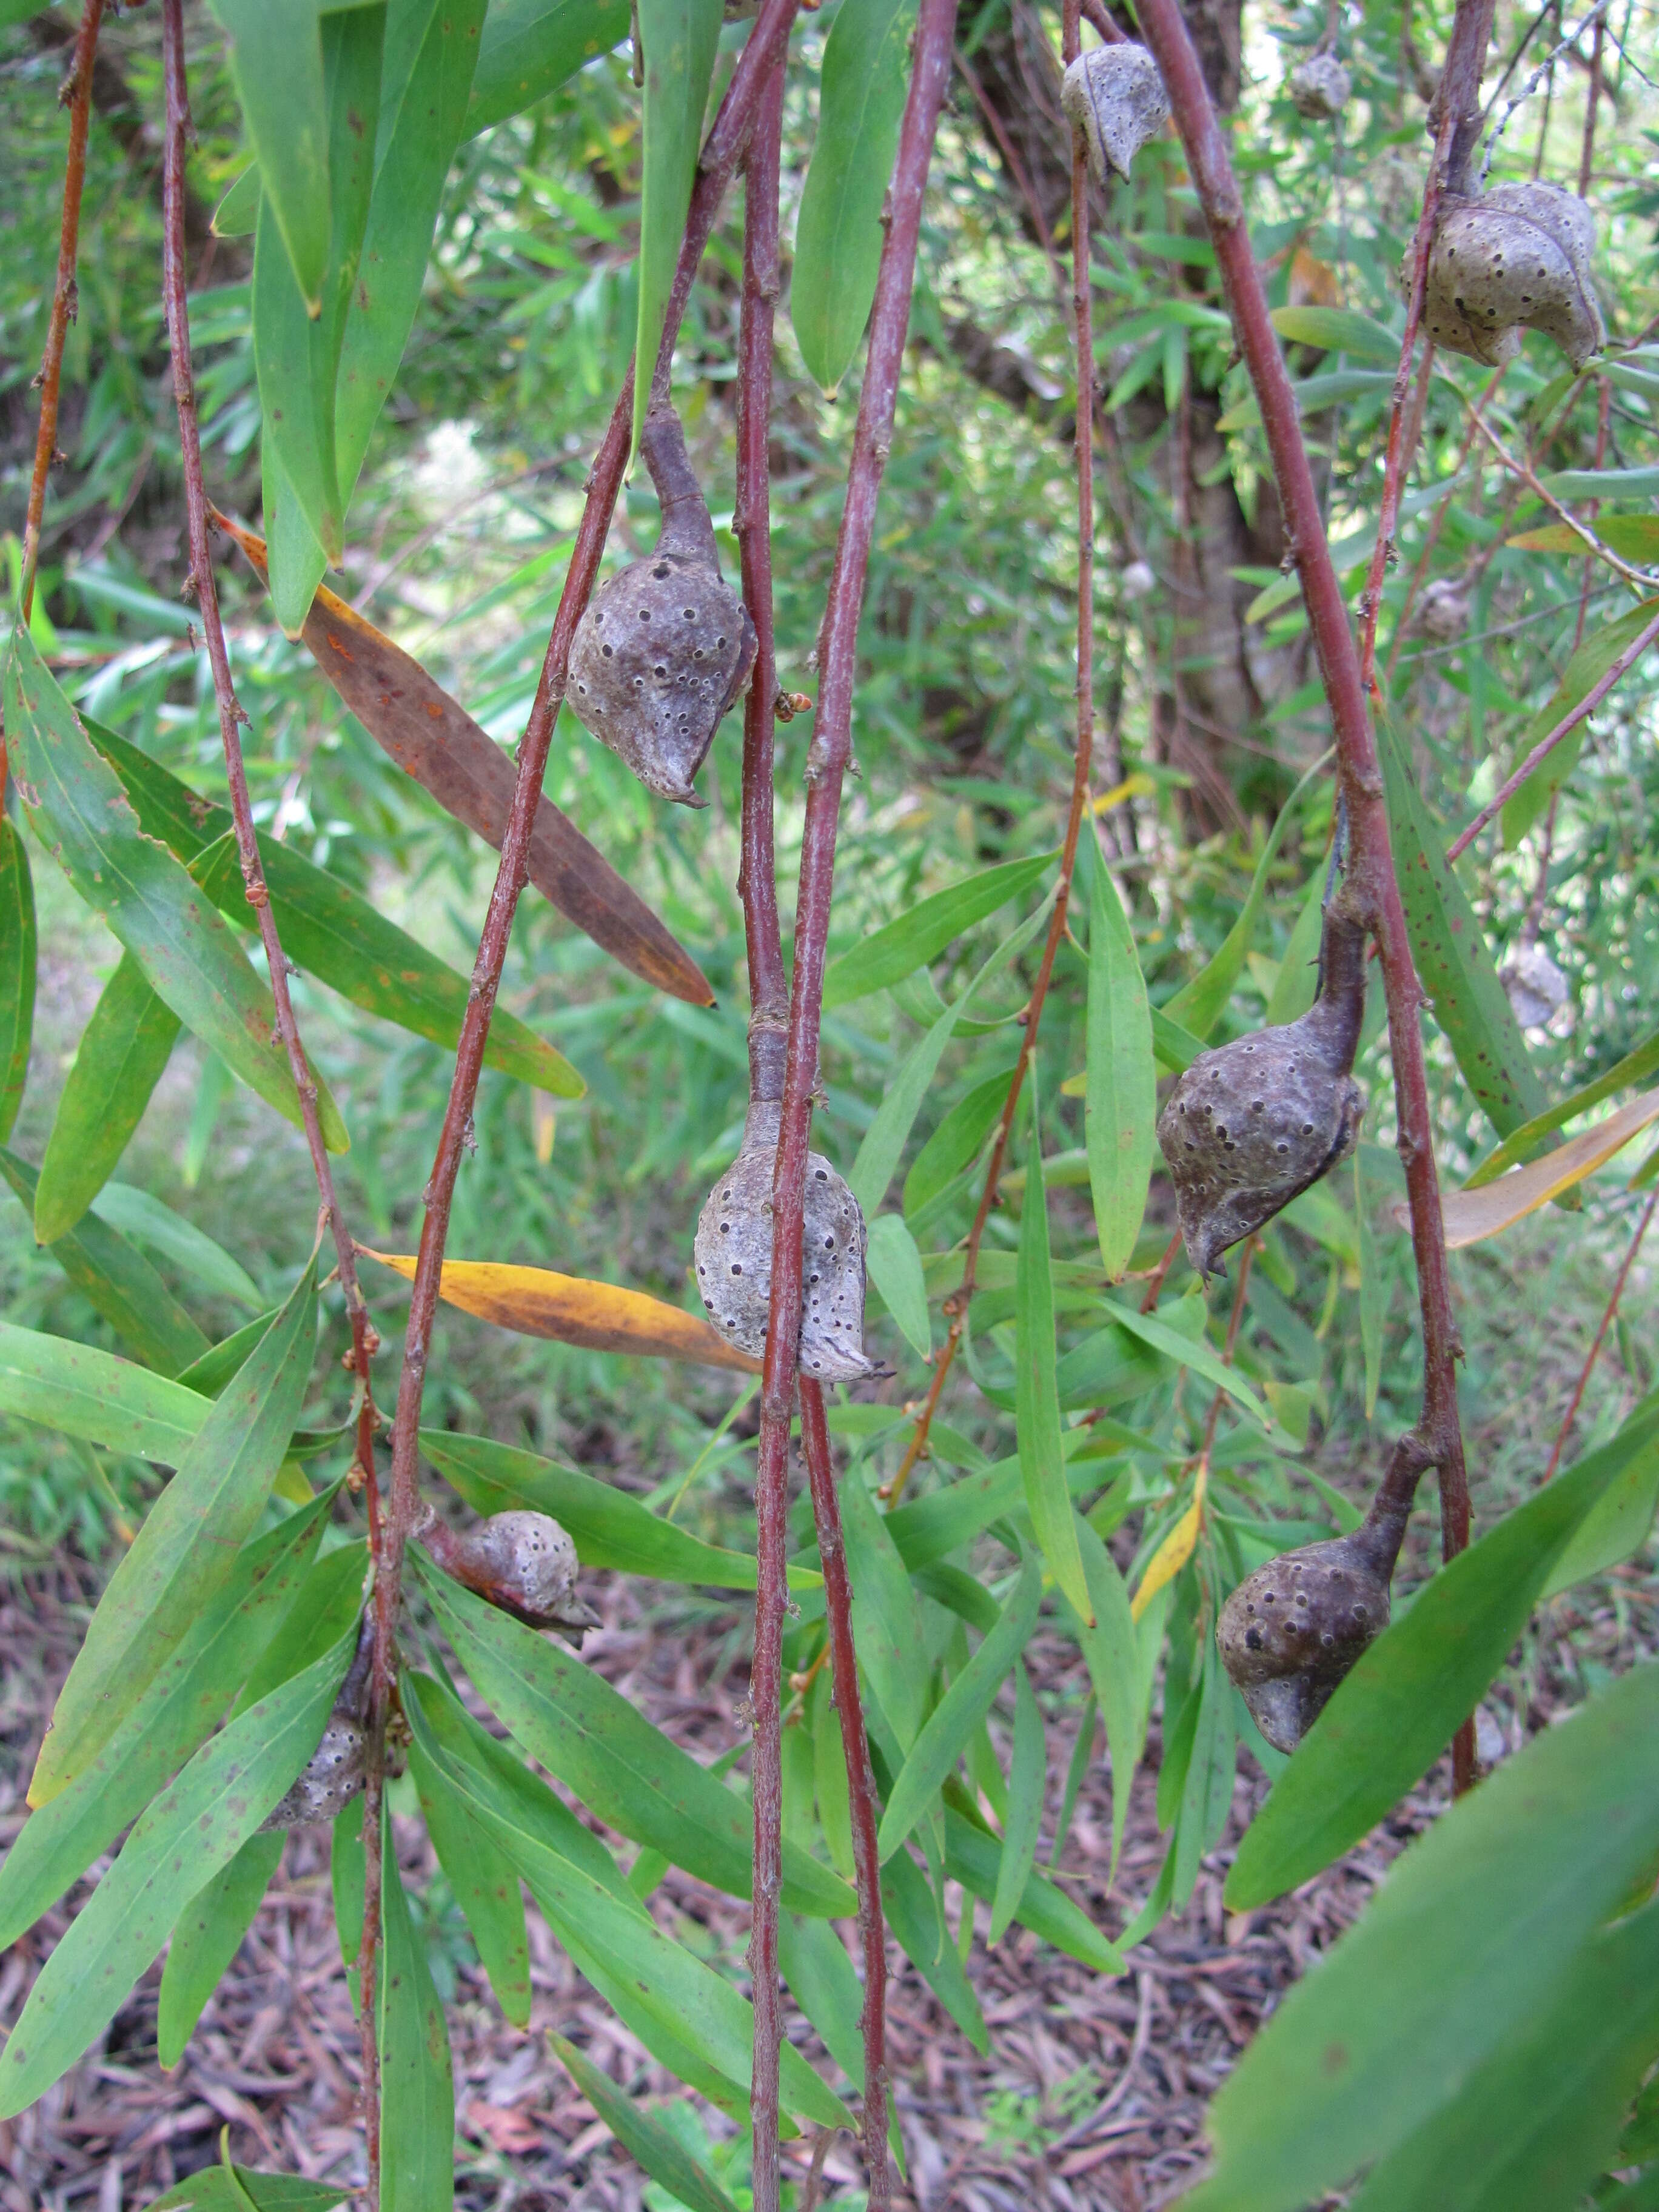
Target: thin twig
{"points": [[1371, 872], [77, 91], [1437, 523], [364, 1340], [957, 1304], [1154, 1290], [1597, 18], [1641, 579], [1113, 34], [1228, 1349], [1595, 1351], [1592, 102], [1546, 746]]}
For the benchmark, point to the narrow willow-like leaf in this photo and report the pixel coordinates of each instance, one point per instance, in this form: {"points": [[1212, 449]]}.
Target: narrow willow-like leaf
{"points": [[914, 1918], [123, 1052], [1111, 1653], [895, 1265], [484, 1886], [83, 1392], [1037, 1417], [1297, 984], [531, 47], [886, 1618], [955, 1142], [187, 1545], [1406, 1696], [276, 65], [417, 2089], [1337, 330], [1636, 1067], [1511, 1884], [838, 236], [117, 1281], [77, 807], [1121, 1101], [1471, 1216], [1027, 1770], [17, 966], [191, 1831], [1588, 666], [206, 1937], [974, 1858], [213, 2190], [680, 39], [145, 1218], [888, 955], [645, 2140], [1194, 1352]]}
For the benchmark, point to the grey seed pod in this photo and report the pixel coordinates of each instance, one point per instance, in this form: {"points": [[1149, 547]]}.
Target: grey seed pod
{"points": [[1516, 257], [1116, 97], [1253, 1123], [1291, 1631], [521, 1562], [1320, 87], [333, 1775], [1536, 988], [665, 648], [733, 1252], [1443, 612]]}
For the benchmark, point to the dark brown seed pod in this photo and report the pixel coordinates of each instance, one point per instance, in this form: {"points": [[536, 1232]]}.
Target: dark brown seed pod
{"points": [[1516, 257], [1291, 1631], [1320, 87], [733, 1252], [521, 1562], [1116, 97], [334, 1774], [1254, 1122], [665, 648]]}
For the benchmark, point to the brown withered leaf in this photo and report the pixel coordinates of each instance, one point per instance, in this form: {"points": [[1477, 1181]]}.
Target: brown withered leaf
{"points": [[600, 1317], [433, 739]]}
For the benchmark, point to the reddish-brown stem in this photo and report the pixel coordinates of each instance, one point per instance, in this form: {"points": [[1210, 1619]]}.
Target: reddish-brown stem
{"points": [[1230, 1347], [1595, 1351], [364, 1340], [1546, 746], [1436, 525], [1154, 1290], [1525, 473], [1370, 871], [768, 1013], [861, 1785], [77, 90], [1082, 328], [1113, 34], [1592, 101]]}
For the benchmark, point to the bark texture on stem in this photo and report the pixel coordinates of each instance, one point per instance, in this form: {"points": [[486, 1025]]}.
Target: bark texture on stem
{"points": [[1371, 871], [364, 1340]]}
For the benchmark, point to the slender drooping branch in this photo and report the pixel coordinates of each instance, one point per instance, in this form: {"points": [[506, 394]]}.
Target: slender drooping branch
{"points": [[1595, 1351], [1371, 871], [1083, 332], [768, 1015], [78, 91], [364, 1340]]}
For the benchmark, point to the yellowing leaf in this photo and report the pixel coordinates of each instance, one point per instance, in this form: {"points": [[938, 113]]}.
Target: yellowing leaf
{"points": [[1173, 1554], [1472, 1215], [600, 1317], [1133, 787]]}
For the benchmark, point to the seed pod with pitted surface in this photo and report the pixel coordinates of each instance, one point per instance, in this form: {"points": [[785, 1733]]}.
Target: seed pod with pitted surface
{"points": [[1116, 97], [1320, 87], [335, 1772], [665, 648], [521, 1562], [1253, 1123], [1513, 258]]}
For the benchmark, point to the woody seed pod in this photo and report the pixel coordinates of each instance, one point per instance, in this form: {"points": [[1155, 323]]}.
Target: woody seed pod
{"points": [[1291, 1631], [335, 1772], [733, 1252], [1320, 87], [1254, 1122], [1116, 97], [1443, 612], [521, 1562], [1516, 257], [1536, 988], [665, 648]]}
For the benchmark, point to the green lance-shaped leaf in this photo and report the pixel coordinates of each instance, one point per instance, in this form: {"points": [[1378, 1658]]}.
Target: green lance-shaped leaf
{"points": [[296, 338], [1337, 330], [895, 1264], [972, 1857], [608, 1527], [123, 1051], [206, 1937], [680, 39], [1535, 2124], [484, 1884], [531, 47], [629, 1772], [17, 961], [1036, 1397], [181, 1707], [294, 551], [328, 1605], [955, 1142], [1297, 984], [1197, 1006], [1510, 1884], [913, 1915], [1586, 668], [1525, 1142], [646, 2140], [347, 1864], [1470, 1003], [1194, 1352], [1111, 1652], [117, 1281], [417, 2089], [1405, 1697], [327, 929], [886, 1618], [239, 206], [76, 805], [1121, 1101], [888, 955], [1027, 1768], [191, 1829], [839, 237], [148, 1221], [830, 1785], [83, 1392], [233, 2188], [1208, 1789], [959, 1712], [187, 1545]]}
